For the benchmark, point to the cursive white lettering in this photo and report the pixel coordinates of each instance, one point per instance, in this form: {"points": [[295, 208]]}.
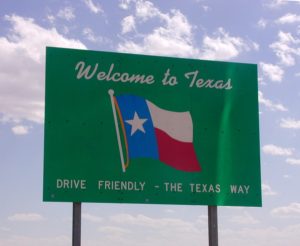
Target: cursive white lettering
{"points": [[86, 72], [195, 81]]}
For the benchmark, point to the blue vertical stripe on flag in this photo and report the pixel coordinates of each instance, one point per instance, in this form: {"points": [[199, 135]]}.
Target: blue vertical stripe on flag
{"points": [[140, 144]]}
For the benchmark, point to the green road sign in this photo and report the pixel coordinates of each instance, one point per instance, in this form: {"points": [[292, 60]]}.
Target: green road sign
{"points": [[126, 128]]}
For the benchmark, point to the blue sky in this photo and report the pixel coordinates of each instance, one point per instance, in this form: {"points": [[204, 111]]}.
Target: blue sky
{"points": [[264, 32]]}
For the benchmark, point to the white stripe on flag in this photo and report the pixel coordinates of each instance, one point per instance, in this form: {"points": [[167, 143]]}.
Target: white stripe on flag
{"points": [[178, 125]]}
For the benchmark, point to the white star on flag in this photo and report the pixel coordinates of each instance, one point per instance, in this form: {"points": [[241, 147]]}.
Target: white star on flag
{"points": [[136, 123]]}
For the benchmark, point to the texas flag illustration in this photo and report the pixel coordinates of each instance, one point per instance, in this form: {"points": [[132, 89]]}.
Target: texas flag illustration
{"points": [[153, 132]]}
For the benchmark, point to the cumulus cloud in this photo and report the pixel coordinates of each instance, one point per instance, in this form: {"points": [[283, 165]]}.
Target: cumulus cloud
{"points": [[18, 240], [245, 219], [290, 123], [146, 10], [293, 161], [279, 3], [20, 130], [22, 70], [286, 48], [66, 13], [267, 190], [273, 72], [4, 229], [51, 18], [269, 104], [262, 236], [90, 35], [142, 220], [128, 24], [290, 211], [92, 218], [289, 18], [272, 149], [157, 231], [93, 7], [113, 230], [222, 46], [174, 37], [26, 217], [124, 4], [262, 23]]}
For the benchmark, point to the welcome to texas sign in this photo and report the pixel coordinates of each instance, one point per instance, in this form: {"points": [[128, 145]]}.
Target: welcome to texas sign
{"points": [[126, 128]]}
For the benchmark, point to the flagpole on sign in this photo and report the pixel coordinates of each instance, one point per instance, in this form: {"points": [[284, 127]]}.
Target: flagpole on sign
{"points": [[213, 225], [111, 94], [76, 232]]}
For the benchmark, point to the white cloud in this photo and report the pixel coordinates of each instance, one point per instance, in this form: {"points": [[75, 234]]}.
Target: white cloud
{"points": [[174, 37], [128, 24], [206, 8], [113, 230], [22, 69], [146, 10], [267, 190], [26, 217], [92, 218], [202, 219], [245, 219], [269, 104], [260, 236], [51, 18], [169, 211], [89, 34], [124, 4], [288, 18], [279, 3], [255, 46], [222, 46], [142, 220], [273, 72], [262, 23], [157, 231], [94, 7], [126, 235], [272, 149], [290, 123], [293, 161], [290, 211], [4, 229], [17, 240], [20, 130], [66, 13], [286, 48]]}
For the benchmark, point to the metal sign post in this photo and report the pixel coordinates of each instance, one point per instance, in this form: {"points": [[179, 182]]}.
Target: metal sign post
{"points": [[76, 232], [213, 225]]}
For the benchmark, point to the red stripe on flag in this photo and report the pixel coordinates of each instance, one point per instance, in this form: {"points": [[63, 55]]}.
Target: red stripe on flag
{"points": [[177, 154]]}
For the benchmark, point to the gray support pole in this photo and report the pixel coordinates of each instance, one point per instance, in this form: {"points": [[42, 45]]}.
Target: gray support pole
{"points": [[76, 232], [213, 225]]}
